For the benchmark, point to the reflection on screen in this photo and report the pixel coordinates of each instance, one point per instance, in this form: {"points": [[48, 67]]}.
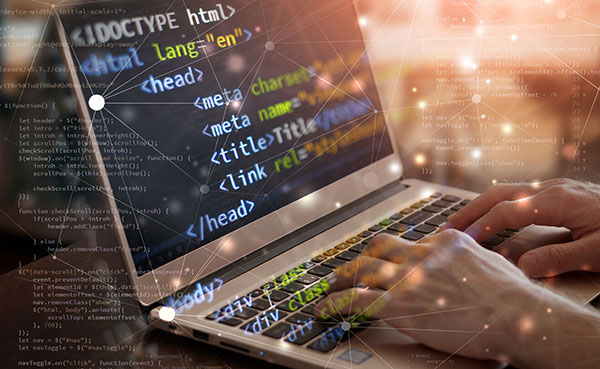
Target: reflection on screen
{"points": [[218, 113]]}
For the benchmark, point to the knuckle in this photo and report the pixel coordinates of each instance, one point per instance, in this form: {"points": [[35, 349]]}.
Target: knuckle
{"points": [[501, 210], [379, 245], [451, 234]]}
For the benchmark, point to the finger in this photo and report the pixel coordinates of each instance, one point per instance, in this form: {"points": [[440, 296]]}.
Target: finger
{"points": [[491, 197], [349, 302], [364, 270], [393, 249], [552, 260], [538, 209]]}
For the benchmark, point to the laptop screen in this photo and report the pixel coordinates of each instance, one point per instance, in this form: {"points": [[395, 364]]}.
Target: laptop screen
{"points": [[216, 114]]}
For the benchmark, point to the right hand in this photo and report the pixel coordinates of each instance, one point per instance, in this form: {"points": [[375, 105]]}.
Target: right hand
{"points": [[559, 202]]}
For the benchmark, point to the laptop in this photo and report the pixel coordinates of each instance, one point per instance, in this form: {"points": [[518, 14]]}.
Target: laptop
{"points": [[244, 155]]}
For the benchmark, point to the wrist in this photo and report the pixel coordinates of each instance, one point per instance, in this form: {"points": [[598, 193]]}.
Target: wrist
{"points": [[545, 329]]}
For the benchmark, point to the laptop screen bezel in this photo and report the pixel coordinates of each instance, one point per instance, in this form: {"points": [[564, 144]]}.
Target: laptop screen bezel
{"points": [[253, 236]]}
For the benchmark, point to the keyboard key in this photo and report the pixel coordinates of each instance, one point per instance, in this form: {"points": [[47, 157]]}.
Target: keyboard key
{"points": [[507, 233], [365, 234], [437, 221], [433, 209], [376, 228], [230, 322], [285, 306], [442, 204], [399, 227], [292, 287], [305, 332], [436, 195], [465, 202], [260, 304], [329, 339], [427, 200], [268, 286], [278, 331], [333, 263], [307, 265], [416, 218], [495, 241], [367, 241], [457, 207], [407, 211], [353, 240], [413, 236], [417, 205], [276, 295], [245, 313], [307, 279], [343, 245], [320, 271], [347, 256], [396, 216], [318, 258], [299, 317], [358, 248], [214, 315], [330, 252], [386, 222], [310, 309], [451, 198], [449, 212], [275, 315], [256, 293], [425, 228]]}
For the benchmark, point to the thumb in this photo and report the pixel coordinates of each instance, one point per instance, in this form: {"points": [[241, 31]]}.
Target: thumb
{"points": [[552, 260]]}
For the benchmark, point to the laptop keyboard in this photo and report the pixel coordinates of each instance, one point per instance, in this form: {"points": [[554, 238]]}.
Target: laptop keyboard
{"points": [[271, 313]]}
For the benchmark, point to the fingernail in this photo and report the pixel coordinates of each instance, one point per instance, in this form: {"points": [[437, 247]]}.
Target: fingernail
{"points": [[529, 265]]}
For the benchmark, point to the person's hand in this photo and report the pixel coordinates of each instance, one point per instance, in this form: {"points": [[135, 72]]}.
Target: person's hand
{"points": [[560, 202], [446, 291], [455, 296]]}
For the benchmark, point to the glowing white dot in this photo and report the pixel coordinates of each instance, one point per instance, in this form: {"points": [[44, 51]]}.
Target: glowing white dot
{"points": [[422, 104], [363, 21], [476, 154], [561, 14], [464, 279], [494, 181], [488, 81], [420, 159], [96, 102], [514, 37], [395, 168], [414, 90], [507, 128], [338, 205], [166, 314], [483, 116], [476, 99]]}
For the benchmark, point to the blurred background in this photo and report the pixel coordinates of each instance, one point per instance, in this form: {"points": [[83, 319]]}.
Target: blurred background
{"points": [[478, 92]]}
